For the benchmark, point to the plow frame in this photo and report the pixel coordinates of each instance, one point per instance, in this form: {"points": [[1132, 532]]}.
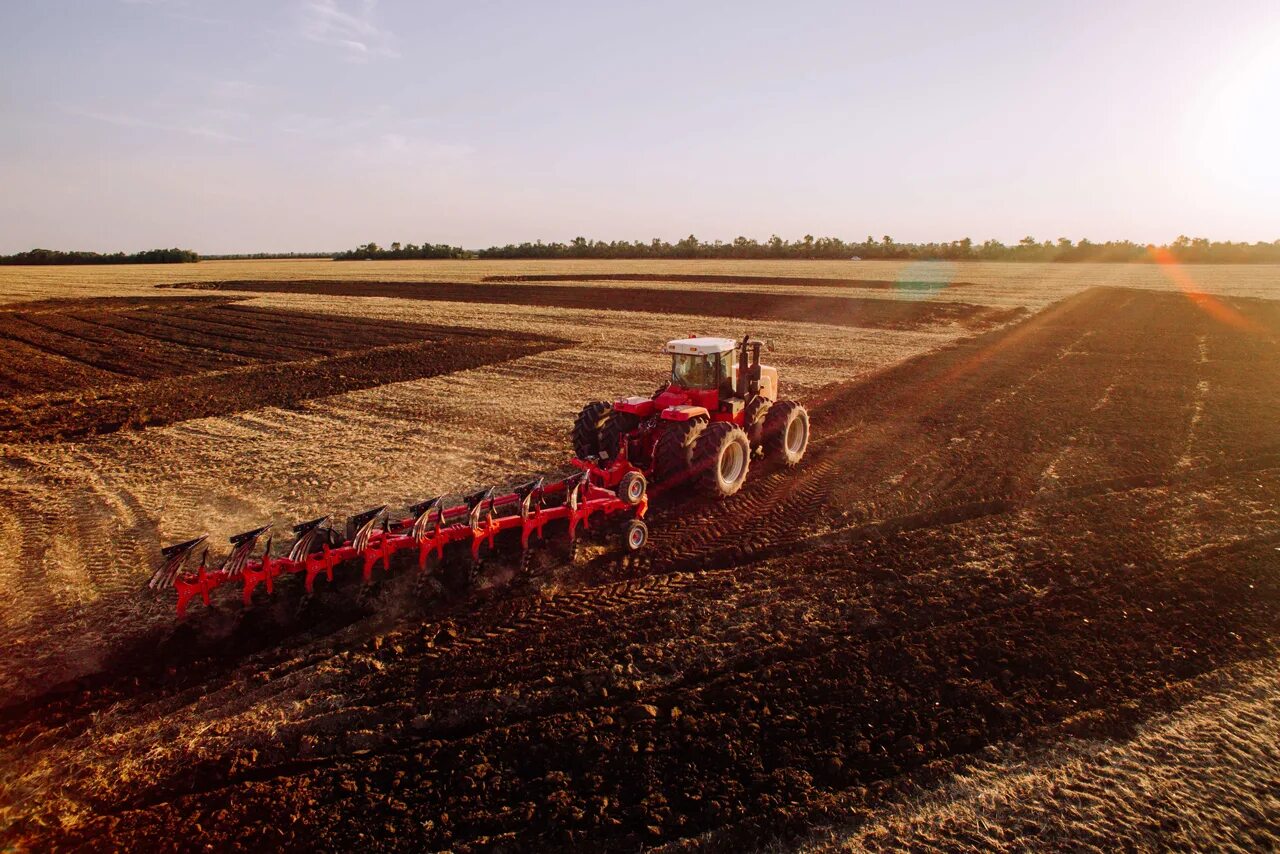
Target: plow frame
{"points": [[373, 537]]}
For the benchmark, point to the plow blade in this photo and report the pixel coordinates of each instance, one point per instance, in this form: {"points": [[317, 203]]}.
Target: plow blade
{"points": [[205, 580], [360, 530], [306, 536], [243, 544], [173, 561], [428, 518]]}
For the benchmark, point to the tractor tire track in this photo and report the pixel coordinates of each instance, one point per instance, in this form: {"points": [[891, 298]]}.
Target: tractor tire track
{"points": [[746, 664]]}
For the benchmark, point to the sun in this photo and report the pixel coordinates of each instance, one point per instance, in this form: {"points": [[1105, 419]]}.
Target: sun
{"points": [[1238, 126]]}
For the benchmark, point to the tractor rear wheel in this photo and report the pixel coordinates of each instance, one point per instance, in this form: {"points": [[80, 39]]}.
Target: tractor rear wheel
{"points": [[721, 459], [673, 452], [586, 429], [614, 432], [786, 432]]}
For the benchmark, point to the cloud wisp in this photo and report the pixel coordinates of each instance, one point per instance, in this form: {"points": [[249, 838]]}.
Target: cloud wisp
{"points": [[349, 28], [128, 121]]}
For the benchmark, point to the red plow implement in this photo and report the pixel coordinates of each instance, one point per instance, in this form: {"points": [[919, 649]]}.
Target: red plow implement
{"points": [[427, 531]]}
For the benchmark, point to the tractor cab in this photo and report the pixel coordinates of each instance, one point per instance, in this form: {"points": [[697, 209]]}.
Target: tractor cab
{"points": [[701, 364], [715, 374]]}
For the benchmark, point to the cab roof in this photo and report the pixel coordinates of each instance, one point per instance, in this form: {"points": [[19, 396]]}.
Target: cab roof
{"points": [[695, 346]]}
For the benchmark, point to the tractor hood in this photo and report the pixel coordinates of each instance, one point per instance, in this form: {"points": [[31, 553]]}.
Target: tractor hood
{"points": [[643, 407], [673, 396]]}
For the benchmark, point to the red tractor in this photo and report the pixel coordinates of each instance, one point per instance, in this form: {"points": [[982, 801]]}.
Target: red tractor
{"points": [[719, 408]]}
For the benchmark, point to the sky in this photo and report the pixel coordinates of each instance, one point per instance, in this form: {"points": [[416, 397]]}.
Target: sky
{"points": [[230, 126]]}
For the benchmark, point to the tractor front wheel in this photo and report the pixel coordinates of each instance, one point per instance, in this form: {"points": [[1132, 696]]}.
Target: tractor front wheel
{"points": [[721, 459], [786, 432]]}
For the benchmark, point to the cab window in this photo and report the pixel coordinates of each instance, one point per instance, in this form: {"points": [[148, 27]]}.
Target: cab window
{"points": [[695, 371]]}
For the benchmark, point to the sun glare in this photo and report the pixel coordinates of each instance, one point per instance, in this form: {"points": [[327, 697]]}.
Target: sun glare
{"points": [[1238, 128], [1208, 303]]}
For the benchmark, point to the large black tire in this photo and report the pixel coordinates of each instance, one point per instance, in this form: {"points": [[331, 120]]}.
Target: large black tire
{"points": [[673, 452], [786, 432], [587, 427], [753, 418], [721, 459], [618, 425]]}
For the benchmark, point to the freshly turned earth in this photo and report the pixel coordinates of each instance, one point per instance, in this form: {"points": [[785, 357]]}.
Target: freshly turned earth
{"points": [[873, 313], [70, 368]]}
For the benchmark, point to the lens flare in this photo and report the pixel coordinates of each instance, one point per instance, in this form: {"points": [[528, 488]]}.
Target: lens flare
{"points": [[923, 279], [1209, 304]]}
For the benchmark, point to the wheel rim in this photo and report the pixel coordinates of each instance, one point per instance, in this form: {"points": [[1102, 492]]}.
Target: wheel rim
{"points": [[635, 490], [731, 462], [635, 537], [796, 434]]}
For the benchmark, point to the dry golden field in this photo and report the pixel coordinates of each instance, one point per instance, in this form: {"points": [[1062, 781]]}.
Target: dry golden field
{"points": [[1011, 471], [1034, 283]]}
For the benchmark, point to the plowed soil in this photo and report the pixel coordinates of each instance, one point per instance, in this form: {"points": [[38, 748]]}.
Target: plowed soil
{"points": [[71, 368], [912, 283], [1047, 534], [904, 314]]}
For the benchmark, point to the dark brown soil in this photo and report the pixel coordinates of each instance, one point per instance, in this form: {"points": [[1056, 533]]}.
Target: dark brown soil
{"points": [[904, 285], [76, 368], [1045, 530], [909, 312]]}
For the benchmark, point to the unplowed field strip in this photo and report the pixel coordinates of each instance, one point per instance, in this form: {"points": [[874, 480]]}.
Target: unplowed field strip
{"points": [[79, 368], [875, 313], [831, 639]]}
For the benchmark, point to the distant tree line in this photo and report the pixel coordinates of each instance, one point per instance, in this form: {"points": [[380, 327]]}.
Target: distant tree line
{"points": [[266, 256], [407, 252], [1197, 250], [54, 256], [1185, 249]]}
